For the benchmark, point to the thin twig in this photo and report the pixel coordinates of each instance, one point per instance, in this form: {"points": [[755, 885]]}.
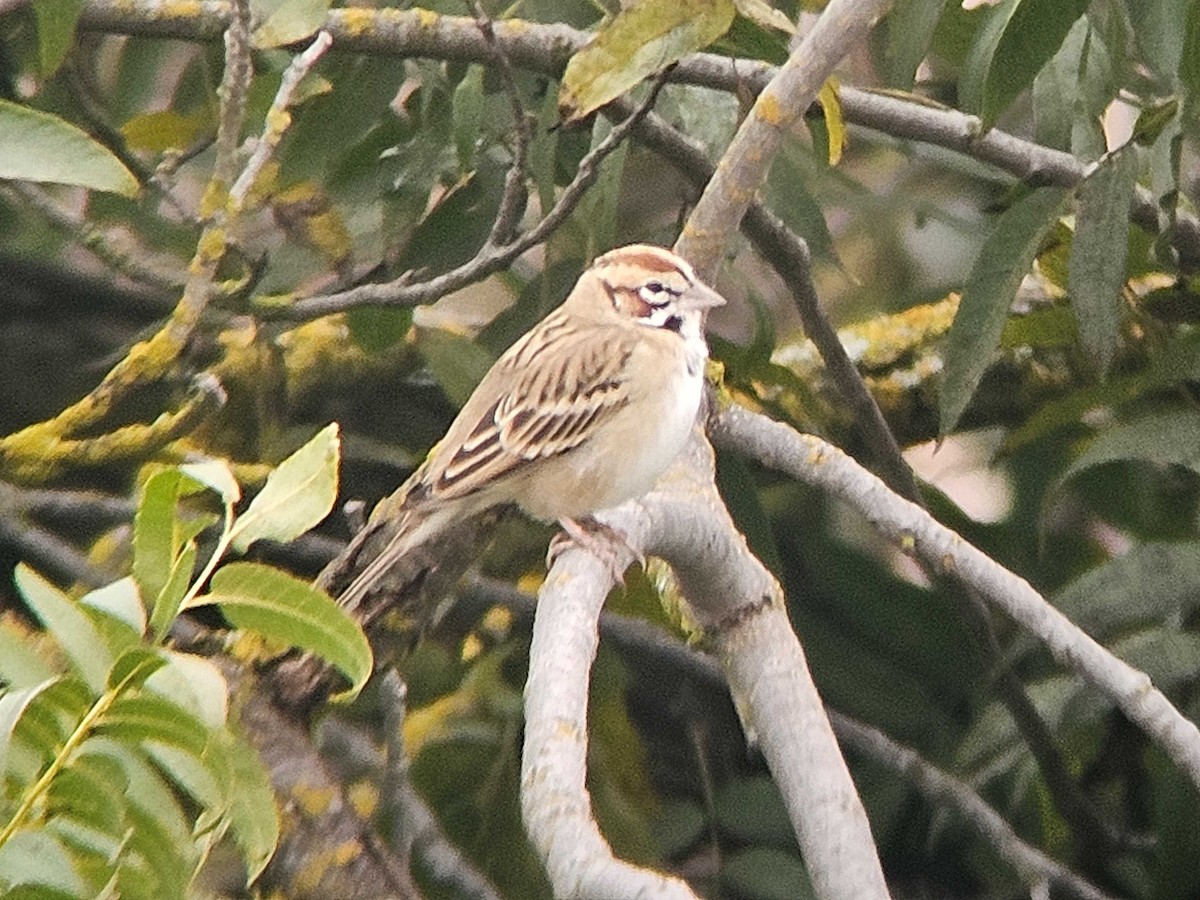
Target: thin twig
{"points": [[133, 265], [232, 93], [822, 465], [513, 199], [545, 48], [277, 119], [491, 259], [417, 829]]}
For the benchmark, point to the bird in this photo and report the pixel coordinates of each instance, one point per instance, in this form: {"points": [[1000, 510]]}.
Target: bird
{"points": [[583, 412]]}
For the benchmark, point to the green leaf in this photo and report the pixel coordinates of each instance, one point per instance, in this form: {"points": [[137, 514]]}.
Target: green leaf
{"points": [[277, 605], [68, 624], [167, 129], [56, 20], [166, 607], [1031, 36], [767, 873], [286, 21], [751, 811], [299, 493], [910, 28], [91, 791], [251, 812], [149, 718], [457, 363], [1004, 259], [1151, 583], [36, 146], [160, 833], [467, 116], [13, 706], [788, 192], [375, 328], [39, 858], [642, 39], [215, 475], [22, 662], [119, 601], [1096, 269], [155, 544], [1071, 91], [1153, 120], [763, 14], [133, 667], [1189, 71], [1170, 438], [192, 683]]}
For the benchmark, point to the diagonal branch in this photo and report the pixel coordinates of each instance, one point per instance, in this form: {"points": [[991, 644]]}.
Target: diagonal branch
{"points": [[490, 259], [822, 465]]}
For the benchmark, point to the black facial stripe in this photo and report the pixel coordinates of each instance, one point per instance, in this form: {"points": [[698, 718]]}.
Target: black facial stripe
{"points": [[674, 323]]}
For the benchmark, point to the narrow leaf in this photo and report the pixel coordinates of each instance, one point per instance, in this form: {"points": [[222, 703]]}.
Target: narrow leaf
{"points": [[119, 601], [133, 667], [642, 39], [251, 814], [42, 863], [192, 683], [287, 22], [1004, 259], [265, 600], [1169, 438], [763, 14], [36, 146], [166, 607], [1030, 38], [1189, 71], [1151, 583], [215, 475], [154, 534], [56, 21], [298, 494], [13, 706], [835, 123], [1096, 269], [910, 28], [23, 661], [147, 717], [68, 624]]}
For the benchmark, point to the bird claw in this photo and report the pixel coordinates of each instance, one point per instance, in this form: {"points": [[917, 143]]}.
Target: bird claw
{"points": [[602, 541]]}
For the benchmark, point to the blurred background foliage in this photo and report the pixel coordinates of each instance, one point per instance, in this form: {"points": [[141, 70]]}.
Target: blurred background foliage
{"points": [[1069, 453]]}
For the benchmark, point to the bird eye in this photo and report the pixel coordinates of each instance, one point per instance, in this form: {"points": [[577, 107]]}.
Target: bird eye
{"points": [[656, 293]]}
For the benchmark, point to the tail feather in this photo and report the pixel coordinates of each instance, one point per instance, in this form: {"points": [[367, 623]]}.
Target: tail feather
{"points": [[414, 529]]}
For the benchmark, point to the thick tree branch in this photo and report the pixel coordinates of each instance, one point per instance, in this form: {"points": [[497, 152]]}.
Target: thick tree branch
{"points": [[817, 463], [546, 48], [490, 259], [740, 606]]}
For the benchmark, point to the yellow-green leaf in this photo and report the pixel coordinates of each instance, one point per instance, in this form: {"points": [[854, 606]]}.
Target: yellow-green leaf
{"points": [[763, 14], [56, 21], [36, 146], [835, 124], [298, 494], [281, 607], [641, 40], [286, 21], [167, 129]]}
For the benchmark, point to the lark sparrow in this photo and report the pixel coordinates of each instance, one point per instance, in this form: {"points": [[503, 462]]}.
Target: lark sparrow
{"points": [[583, 412]]}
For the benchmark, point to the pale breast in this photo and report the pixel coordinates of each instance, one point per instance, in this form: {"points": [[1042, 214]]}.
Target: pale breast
{"points": [[637, 446]]}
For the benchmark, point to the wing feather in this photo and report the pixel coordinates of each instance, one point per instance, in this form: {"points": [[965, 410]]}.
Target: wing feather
{"points": [[536, 411]]}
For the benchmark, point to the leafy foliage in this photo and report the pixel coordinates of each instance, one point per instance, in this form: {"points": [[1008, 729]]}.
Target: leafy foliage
{"points": [[121, 768], [1041, 324]]}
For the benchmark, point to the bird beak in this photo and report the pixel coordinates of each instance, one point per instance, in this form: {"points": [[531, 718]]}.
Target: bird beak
{"points": [[700, 296]]}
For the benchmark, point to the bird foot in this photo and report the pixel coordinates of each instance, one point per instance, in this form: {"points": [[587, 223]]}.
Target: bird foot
{"points": [[602, 541]]}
